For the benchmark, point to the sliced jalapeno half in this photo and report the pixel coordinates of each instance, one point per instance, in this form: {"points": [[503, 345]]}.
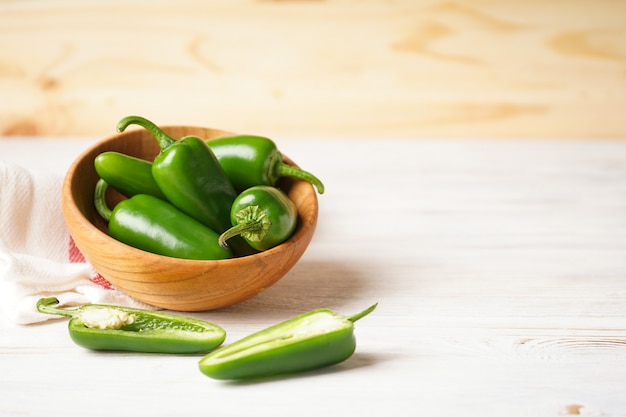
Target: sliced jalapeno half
{"points": [[107, 327], [309, 341]]}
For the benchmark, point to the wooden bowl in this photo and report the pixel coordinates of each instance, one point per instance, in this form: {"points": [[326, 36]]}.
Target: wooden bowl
{"points": [[171, 283]]}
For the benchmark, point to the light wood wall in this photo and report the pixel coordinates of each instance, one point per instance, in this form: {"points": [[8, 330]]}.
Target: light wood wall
{"points": [[369, 68]]}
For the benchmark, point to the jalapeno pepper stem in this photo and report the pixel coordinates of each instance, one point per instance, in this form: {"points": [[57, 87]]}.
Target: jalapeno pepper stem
{"points": [[285, 170], [254, 224], [163, 138], [362, 314], [44, 305], [99, 200]]}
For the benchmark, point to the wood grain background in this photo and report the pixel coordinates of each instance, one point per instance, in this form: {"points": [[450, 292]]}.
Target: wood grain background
{"points": [[370, 68]]}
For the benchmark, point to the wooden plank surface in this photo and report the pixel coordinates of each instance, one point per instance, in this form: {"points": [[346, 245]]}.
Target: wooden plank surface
{"points": [[403, 68], [498, 266]]}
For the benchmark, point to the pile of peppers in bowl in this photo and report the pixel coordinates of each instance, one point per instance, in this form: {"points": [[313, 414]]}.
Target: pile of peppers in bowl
{"points": [[199, 199]]}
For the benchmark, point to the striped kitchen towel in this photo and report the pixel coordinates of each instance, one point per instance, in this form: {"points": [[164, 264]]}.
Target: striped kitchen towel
{"points": [[37, 255]]}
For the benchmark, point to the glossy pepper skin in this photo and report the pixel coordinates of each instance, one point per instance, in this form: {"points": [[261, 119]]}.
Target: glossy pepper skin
{"points": [[309, 341], [153, 225], [127, 174], [251, 160], [263, 215], [190, 176], [106, 327]]}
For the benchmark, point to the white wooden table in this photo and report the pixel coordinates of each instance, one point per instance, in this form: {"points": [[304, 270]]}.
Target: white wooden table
{"points": [[499, 266]]}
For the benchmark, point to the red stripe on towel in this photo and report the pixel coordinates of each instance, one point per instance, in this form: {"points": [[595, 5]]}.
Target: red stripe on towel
{"points": [[76, 256]]}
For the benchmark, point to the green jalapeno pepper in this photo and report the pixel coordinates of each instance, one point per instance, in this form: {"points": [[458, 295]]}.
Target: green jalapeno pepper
{"points": [[309, 341], [190, 176], [263, 215], [127, 174], [255, 160], [154, 225], [106, 327]]}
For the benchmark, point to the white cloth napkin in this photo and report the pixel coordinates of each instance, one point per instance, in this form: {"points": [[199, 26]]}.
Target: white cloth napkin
{"points": [[37, 255]]}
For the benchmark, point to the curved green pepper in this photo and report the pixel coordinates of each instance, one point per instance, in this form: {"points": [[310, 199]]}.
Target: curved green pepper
{"points": [[127, 174], [190, 176], [151, 224], [263, 215], [251, 160], [106, 327], [309, 341]]}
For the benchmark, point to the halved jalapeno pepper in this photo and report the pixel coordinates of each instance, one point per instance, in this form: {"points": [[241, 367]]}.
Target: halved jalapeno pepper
{"points": [[107, 327], [309, 341]]}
